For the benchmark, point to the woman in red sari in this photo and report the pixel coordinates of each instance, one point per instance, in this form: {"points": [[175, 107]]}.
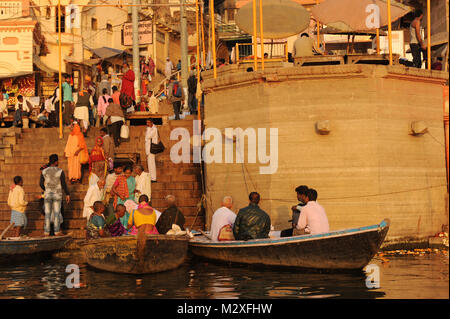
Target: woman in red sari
{"points": [[97, 160]]}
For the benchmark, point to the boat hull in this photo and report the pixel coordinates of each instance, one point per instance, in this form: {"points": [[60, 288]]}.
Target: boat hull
{"points": [[340, 250], [129, 255], [30, 248]]}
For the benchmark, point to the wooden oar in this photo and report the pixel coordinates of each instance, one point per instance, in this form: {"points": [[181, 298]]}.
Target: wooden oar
{"points": [[205, 234], [6, 229]]}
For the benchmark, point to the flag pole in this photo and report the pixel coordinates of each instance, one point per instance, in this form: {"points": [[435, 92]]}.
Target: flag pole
{"points": [[261, 36], [389, 31], [255, 45], [213, 34], [428, 35]]}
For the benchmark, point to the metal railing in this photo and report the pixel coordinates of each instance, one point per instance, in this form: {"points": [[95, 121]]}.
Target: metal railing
{"points": [[275, 51]]}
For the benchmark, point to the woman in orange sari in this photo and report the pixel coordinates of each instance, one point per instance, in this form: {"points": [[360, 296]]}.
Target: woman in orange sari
{"points": [[75, 145], [97, 160]]}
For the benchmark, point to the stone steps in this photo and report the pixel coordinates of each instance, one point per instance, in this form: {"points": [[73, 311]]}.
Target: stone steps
{"points": [[31, 148]]}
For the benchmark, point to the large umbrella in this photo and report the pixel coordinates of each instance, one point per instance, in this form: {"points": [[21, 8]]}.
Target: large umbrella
{"points": [[282, 18], [355, 15]]}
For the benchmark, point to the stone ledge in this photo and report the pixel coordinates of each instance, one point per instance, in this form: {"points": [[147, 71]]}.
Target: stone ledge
{"points": [[233, 79]]}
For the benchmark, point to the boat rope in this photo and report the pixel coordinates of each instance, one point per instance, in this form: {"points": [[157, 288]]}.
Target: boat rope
{"points": [[368, 195]]}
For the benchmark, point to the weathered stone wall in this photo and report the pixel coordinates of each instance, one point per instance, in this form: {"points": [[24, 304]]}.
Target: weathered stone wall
{"points": [[367, 168]]}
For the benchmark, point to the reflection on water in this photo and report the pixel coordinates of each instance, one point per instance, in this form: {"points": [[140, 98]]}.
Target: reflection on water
{"points": [[400, 277]]}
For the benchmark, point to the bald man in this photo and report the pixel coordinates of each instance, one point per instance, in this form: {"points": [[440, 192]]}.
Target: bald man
{"points": [[222, 217]]}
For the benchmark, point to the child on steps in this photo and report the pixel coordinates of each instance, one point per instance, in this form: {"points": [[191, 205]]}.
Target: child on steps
{"points": [[16, 200]]}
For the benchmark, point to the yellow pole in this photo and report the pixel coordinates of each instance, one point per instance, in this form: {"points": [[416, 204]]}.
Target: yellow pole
{"points": [[378, 41], [203, 38], [428, 35], [213, 33], [255, 45], [389, 31], [261, 35], [237, 53], [60, 79], [198, 58]]}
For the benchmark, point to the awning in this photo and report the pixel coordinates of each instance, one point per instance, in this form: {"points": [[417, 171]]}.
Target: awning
{"points": [[105, 52], [42, 66]]}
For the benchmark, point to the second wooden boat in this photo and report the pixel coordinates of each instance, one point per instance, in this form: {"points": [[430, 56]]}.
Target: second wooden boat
{"points": [[12, 250], [133, 255], [349, 249]]}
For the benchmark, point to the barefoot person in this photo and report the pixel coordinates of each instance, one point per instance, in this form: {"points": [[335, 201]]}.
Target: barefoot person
{"points": [[16, 200]]}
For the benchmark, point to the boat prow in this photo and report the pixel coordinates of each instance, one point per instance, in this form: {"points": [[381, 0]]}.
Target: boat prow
{"points": [[348, 249], [130, 255], [27, 248]]}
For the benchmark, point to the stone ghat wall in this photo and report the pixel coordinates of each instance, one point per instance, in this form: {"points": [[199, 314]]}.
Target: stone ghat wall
{"points": [[367, 168]]}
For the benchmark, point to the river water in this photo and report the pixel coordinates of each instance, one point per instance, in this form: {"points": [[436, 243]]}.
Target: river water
{"points": [[400, 276]]}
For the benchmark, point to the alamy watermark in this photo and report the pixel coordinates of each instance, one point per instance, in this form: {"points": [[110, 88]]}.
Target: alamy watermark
{"points": [[73, 279], [373, 276], [220, 147]]}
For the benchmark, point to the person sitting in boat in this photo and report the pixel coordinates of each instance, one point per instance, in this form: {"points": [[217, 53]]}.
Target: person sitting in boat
{"points": [[302, 196], [144, 219], [251, 221], [16, 200], [113, 222], [223, 221], [144, 198], [172, 215], [96, 223], [313, 219]]}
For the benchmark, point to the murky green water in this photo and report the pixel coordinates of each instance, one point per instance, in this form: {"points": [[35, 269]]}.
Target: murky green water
{"points": [[406, 277]]}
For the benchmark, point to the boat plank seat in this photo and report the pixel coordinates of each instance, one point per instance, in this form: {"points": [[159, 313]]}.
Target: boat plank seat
{"points": [[147, 115], [318, 60], [372, 58]]}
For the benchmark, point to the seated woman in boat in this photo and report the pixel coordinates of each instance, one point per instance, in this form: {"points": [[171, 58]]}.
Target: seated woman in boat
{"points": [[143, 218], [123, 189], [114, 224], [96, 224]]}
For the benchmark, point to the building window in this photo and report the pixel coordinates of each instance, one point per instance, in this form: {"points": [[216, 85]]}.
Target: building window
{"points": [[109, 27], [48, 13], [62, 19], [94, 24]]}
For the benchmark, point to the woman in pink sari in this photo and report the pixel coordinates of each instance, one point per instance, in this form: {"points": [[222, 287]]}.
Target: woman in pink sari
{"points": [[75, 145]]}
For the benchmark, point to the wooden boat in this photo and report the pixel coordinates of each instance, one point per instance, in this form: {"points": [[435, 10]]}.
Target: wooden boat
{"points": [[130, 255], [12, 249], [349, 249]]}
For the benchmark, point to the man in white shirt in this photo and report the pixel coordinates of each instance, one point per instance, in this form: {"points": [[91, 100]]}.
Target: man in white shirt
{"points": [[151, 136], [222, 216], [313, 219], [143, 182], [95, 193], [168, 68]]}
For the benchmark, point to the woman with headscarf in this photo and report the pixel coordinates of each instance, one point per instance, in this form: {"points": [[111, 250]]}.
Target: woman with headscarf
{"points": [[97, 159], [75, 145]]}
